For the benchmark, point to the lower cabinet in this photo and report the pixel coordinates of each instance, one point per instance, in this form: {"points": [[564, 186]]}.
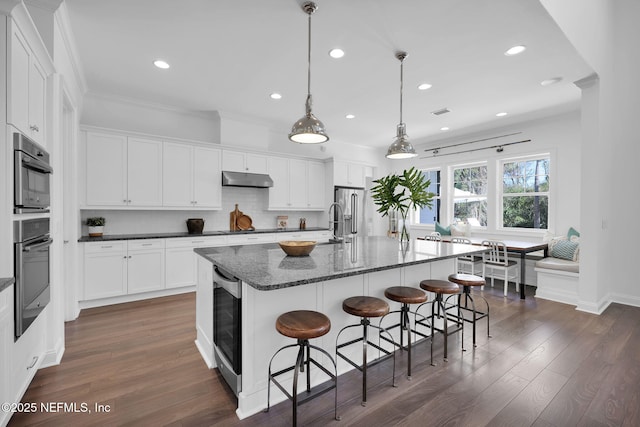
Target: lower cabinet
{"points": [[123, 267], [6, 344], [126, 267], [181, 262]]}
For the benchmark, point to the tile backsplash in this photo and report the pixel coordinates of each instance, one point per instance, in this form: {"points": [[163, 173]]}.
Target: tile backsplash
{"points": [[251, 201]]}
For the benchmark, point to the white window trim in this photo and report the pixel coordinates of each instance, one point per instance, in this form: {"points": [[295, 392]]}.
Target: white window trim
{"points": [[413, 215], [451, 189], [500, 194]]}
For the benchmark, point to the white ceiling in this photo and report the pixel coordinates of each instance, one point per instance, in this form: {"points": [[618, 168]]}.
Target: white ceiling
{"points": [[229, 55]]}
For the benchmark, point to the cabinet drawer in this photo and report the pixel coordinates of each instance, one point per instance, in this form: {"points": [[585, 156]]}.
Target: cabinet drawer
{"points": [[145, 244], [195, 242], [248, 239], [104, 247]]}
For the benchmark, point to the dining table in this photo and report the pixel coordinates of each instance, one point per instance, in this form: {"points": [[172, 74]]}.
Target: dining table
{"points": [[514, 246]]}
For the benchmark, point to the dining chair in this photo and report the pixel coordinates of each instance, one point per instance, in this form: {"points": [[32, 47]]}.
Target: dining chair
{"points": [[434, 236], [466, 260], [496, 259]]}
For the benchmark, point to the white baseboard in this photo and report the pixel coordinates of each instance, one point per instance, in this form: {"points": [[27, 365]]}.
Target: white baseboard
{"points": [[53, 356], [134, 297]]}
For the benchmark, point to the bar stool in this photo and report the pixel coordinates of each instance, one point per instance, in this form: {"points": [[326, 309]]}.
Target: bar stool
{"points": [[467, 281], [365, 307], [440, 288], [303, 325], [405, 295]]}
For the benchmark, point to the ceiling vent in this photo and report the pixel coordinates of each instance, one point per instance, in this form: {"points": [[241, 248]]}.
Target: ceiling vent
{"points": [[440, 111]]}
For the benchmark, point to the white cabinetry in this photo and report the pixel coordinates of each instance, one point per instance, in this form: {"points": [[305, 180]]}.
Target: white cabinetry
{"points": [[237, 161], [181, 261], [28, 353], [297, 184], [145, 265], [105, 269], [191, 176], [349, 174], [123, 171], [27, 83], [6, 342], [119, 267]]}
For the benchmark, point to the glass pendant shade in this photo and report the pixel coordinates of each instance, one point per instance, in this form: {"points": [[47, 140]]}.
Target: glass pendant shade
{"points": [[401, 147], [308, 129]]}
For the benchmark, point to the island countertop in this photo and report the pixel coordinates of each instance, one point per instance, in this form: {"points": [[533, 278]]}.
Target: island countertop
{"points": [[266, 267]]}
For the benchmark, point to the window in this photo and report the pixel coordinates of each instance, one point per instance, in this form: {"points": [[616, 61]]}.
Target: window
{"points": [[431, 215], [525, 193], [470, 195]]}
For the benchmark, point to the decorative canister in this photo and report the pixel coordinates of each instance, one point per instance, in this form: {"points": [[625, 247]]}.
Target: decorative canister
{"points": [[195, 225]]}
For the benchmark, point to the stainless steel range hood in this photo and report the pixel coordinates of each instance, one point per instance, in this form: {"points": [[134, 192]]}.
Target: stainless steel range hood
{"points": [[242, 179]]}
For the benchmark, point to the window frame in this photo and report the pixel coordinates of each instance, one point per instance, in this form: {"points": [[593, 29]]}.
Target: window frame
{"points": [[415, 214], [500, 194], [487, 195]]}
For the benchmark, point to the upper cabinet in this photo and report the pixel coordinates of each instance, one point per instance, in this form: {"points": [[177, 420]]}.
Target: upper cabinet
{"points": [[236, 161], [123, 171], [27, 88], [191, 176], [132, 172], [350, 174], [297, 184]]}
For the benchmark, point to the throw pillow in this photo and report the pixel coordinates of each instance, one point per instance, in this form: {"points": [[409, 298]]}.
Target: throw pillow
{"points": [[572, 232], [553, 242], [565, 249], [442, 230], [457, 230]]}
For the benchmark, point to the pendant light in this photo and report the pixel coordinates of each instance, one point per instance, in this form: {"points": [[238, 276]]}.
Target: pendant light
{"points": [[401, 147], [308, 130]]}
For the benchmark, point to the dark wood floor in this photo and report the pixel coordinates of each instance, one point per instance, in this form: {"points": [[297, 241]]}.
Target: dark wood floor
{"points": [[546, 365]]}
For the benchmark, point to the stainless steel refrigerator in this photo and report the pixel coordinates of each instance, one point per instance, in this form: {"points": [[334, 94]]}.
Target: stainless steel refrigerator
{"points": [[352, 201]]}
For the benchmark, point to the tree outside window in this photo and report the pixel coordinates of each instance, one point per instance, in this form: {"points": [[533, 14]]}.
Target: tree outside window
{"points": [[470, 195], [525, 193]]}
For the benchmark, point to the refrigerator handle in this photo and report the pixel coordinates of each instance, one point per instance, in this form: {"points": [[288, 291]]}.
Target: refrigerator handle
{"points": [[354, 213]]}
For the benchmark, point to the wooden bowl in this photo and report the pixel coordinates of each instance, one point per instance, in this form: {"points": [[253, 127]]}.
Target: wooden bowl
{"points": [[297, 247]]}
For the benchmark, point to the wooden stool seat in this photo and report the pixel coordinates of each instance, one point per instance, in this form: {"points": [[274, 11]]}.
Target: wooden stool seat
{"points": [[303, 324], [405, 295], [440, 286], [363, 306], [467, 279]]}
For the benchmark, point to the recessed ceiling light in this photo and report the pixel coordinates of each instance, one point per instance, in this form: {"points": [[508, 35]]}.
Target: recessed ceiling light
{"points": [[444, 128], [350, 116], [515, 50], [501, 114], [161, 64], [552, 81], [424, 86], [336, 53], [275, 95]]}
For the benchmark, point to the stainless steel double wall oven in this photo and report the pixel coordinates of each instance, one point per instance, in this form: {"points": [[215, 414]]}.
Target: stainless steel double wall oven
{"points": [[31, 231]]}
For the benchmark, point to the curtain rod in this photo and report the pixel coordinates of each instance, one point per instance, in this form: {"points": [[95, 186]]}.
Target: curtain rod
{"points": [[471, 142], [498, 148]]}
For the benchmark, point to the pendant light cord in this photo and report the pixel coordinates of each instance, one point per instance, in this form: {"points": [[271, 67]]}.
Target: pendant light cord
{"points": [[309, 59], [401, 85]]}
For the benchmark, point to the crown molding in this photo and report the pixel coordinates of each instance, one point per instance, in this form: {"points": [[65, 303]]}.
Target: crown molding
{"points": [[61, 17]]}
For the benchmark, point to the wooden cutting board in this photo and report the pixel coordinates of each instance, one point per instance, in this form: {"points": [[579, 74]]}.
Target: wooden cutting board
{"points": [[244, 222], [233, 218]]}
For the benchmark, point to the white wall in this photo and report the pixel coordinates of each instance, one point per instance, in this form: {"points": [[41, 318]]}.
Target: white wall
{"points": [[605, 33], [558, 135]]}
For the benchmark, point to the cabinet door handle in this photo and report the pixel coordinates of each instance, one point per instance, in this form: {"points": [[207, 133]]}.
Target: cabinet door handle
{"points": [[33, 362], [34, 128], [147, 244], [106, 247], [129, 256]]}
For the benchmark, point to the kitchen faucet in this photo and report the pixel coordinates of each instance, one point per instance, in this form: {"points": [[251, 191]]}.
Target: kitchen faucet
{"points": [[338, 233]]}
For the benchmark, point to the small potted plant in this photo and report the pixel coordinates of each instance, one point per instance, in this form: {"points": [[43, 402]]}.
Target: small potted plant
{"points": [[96, 226]]}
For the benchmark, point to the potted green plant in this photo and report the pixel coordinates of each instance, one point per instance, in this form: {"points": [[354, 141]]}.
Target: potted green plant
{"points": [[96, 226], [402, 193]]}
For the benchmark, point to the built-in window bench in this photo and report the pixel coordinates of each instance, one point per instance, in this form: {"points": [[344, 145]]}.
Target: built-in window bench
{"points": [[558, 279]]}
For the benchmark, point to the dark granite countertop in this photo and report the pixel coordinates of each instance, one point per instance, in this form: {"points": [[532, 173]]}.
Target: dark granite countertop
{"points": [[5, 282], [109, 237], [266, 267]]}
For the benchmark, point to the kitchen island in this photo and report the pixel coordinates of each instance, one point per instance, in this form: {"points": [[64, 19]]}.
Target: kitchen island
{"points": [[273, 283]]}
